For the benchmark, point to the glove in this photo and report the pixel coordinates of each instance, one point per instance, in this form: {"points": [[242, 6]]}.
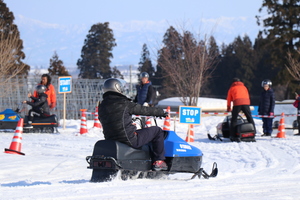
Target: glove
{"points": [[146, 104], [228, 109], [166, 114], [271, 114]]}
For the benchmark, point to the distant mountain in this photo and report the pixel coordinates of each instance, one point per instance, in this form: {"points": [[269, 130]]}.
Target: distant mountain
{"points": [[42, 39]]}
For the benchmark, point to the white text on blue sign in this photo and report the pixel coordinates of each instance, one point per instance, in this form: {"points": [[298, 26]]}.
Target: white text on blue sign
{"points": [[190, 112], [65, 82]]}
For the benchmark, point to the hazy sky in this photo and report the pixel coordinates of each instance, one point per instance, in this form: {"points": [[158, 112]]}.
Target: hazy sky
{"points": [[88, 11], [45, 25]]}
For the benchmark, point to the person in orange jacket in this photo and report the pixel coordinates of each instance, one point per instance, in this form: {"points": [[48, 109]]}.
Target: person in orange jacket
{"points": [[50, 91], [239, 95]]}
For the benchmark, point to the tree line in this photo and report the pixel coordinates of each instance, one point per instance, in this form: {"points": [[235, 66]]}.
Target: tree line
{"points": [[190, 65]]}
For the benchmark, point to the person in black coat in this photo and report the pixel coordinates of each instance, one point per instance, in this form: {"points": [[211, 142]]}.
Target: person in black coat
{"points": [[145, 93], [39, 105], [115, 115], [266, 107]]}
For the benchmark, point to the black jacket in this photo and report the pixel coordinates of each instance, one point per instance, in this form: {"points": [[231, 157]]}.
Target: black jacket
{"points": [[145, 93], [267, 102], [40, 104], [115, 115]]}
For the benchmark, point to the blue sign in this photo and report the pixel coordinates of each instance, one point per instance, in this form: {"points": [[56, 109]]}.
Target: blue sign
{"points": [[65, 84], [189, 114]]}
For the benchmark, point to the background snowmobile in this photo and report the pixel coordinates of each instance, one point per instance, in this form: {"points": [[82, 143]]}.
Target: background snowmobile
{"points": [[244, 130], [9, 119], [109, 157], [42, 125]]}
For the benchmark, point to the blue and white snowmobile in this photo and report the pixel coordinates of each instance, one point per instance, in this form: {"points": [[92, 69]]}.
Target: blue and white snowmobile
{"points": [[9, 119], [109, 157]]}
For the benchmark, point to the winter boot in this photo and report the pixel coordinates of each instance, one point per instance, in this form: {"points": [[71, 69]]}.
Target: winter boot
{"points": [[266, 134], [28, 125], [159, 165]]}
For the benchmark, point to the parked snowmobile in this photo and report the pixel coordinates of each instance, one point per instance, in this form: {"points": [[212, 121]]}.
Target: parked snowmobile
{"points": [[244, 130], [9, 119], [110, 156]]}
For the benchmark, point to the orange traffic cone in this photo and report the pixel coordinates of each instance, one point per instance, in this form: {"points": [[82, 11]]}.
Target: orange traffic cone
{"points": [[167, 125], [281, 127], [148, 122], [83, 126], [190, 134], [15, 146], [97, 123]]}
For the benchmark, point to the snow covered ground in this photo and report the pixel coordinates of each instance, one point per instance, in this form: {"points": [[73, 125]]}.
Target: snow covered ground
{"points": [[54, 167]]}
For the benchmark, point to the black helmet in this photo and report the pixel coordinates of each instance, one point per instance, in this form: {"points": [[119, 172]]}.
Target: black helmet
{"points": [[40, 89], [266, 82], [113, 85], [144, 74], [236, 80]]}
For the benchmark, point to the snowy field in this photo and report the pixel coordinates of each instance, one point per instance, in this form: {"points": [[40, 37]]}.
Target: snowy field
{"points": [[54, 167]]}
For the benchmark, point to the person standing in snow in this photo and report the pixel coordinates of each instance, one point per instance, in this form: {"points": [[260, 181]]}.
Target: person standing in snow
{"points": [[266, 106], [115, 115], [298, 112], [145, 92], [239, 95]]}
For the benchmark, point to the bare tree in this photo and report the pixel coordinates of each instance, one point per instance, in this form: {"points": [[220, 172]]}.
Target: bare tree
{"points": [[188, 63], [294, 66], [9, 66]]}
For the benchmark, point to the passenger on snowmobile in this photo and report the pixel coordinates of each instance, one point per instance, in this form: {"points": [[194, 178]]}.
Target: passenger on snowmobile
{"points": [[39, 105], [115, 114], [50, 90], [266, 106]]}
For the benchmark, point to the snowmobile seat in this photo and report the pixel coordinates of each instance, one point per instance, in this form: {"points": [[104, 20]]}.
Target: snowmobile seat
{"points": [[120, 151], [226, 125], [246, 132]]}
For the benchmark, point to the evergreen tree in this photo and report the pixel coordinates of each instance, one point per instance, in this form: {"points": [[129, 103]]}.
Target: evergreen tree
{"points": [[10, 33], [214, 53], [264, 67], [145, 64], [116, 73], [225, 71], [282, 31], [97, 52], [57, 66], [213, 49], [246, 59], [171, 43], [238, 59]]}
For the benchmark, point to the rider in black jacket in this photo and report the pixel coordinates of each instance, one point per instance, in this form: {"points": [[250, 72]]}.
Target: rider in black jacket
{"points": [[115, 114], [39, 105]]}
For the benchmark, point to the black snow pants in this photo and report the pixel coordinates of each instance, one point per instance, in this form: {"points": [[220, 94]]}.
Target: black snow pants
{"points": [[235, 112], [152, 134], [33, 113]]}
